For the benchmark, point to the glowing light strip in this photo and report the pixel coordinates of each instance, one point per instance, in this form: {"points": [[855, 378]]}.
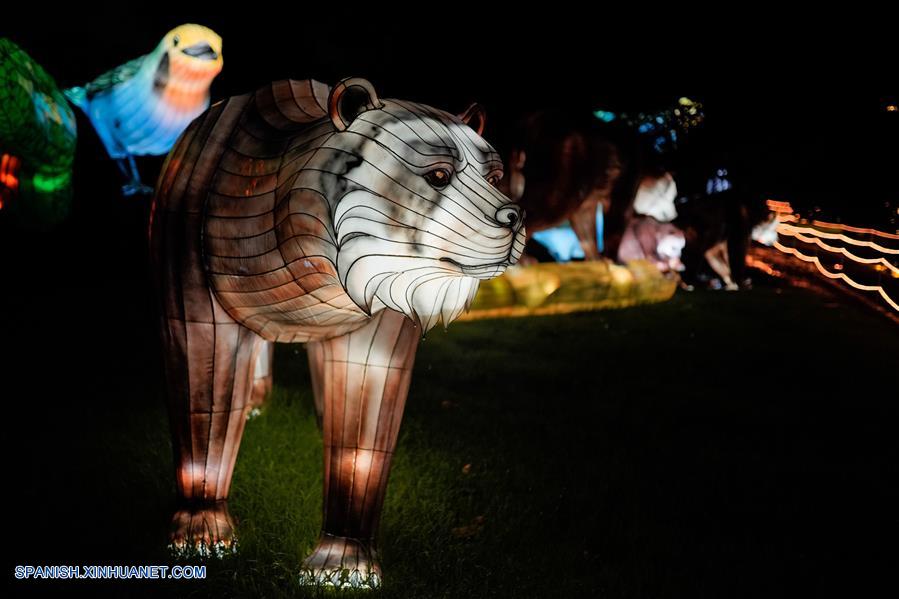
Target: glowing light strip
{"points": [[783, 228], [883, 234], [782, 208], [843, 251], [779, 207], [814, 260]]}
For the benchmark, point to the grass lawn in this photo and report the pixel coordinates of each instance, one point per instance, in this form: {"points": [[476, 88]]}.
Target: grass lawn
{"points": [[717, 445]]}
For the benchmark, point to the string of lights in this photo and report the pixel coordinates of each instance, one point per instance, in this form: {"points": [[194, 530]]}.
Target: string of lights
{"points": [[780, 207], [787, 228], [838, 275], [840, 250], [784, 212], [791, 225], [861, 230]]}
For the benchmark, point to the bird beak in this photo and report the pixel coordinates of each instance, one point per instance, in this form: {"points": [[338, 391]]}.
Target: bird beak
{"points": [[201, 50]]}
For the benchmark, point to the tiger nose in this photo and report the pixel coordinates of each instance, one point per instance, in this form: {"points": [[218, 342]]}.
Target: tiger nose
{"points": [[509, 215]]}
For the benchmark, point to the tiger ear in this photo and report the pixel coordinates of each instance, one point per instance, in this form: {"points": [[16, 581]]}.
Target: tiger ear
{"points": [[475, 117], [350, 98]]}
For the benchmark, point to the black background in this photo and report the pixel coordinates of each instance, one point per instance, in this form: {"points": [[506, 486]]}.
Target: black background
{"points": [[796, 99]]}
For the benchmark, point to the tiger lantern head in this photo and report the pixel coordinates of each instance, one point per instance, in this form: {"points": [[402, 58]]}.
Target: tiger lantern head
{"points": [[418, 220]]}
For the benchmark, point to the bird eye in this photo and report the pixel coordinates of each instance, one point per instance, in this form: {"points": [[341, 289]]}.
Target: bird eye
{"points": [[438, 178], [494, 179], [176, 40]]}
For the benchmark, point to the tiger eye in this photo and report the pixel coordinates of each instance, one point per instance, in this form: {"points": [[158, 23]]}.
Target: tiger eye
{"points": [[438, 178]]}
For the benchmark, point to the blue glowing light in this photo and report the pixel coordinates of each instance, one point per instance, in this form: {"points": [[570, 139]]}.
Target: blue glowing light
{"points": [[718, 183], [562, 243], [660, 143], [605, 116]]}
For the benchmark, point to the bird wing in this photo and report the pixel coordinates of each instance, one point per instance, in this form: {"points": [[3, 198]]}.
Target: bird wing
{"points": [[110, 79]]}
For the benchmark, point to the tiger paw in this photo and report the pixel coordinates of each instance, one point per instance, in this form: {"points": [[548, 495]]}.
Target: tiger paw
{"points": [[203, 531], [342, 562]]}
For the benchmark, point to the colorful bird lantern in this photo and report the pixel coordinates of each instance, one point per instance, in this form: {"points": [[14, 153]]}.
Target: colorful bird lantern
{"points": [[141, 107]]}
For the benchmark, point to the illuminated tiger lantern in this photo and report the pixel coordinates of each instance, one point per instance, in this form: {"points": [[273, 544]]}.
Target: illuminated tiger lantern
{"points": [[301, 213], [141, 107]]}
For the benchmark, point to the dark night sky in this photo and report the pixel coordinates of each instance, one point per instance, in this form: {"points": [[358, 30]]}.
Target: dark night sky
{"points": [[798, 100]]}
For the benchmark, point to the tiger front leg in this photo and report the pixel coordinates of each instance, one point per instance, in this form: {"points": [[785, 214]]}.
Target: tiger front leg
{"points": [[364, 379], [209, 375]]}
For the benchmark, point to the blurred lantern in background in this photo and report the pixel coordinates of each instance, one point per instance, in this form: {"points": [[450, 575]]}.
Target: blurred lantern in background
{"points": [[649, 234], [37, 141], [655, 197]]}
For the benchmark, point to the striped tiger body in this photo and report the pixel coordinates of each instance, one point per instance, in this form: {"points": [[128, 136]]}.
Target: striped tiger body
{"points": [[301, 213]]}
